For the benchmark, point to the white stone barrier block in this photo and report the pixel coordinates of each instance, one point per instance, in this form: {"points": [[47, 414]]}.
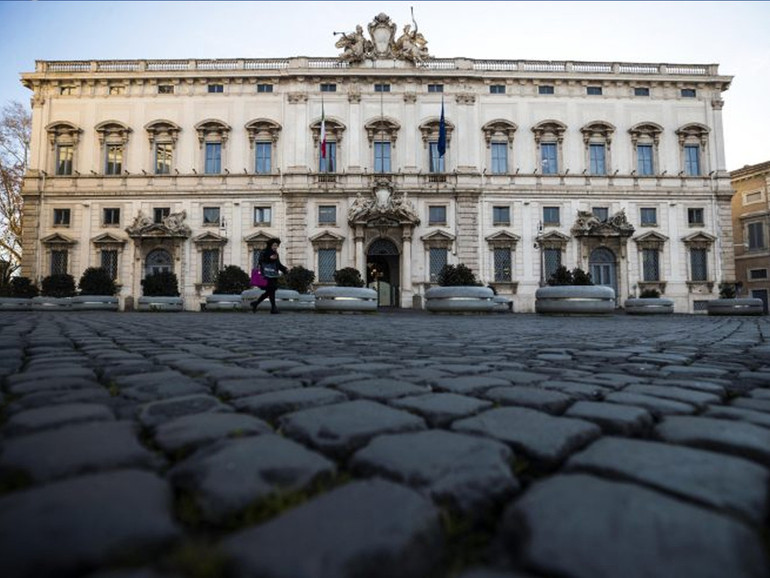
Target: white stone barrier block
{"points": [[459, 299], [95, 303], [345, 299], [738, 306], [223, 302], [649, 306], [15, 304], [51, 303], [160, 304], [571, 299]]}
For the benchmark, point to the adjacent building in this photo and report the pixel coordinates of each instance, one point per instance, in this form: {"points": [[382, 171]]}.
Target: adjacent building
{"points": [[191, 165], [751, 230]]}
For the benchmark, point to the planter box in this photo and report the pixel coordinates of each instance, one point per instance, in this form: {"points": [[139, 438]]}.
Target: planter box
{"points": [[456, 299], [285, 300], [15, 304], [341, 299], [95, 303], [649, 306], [160, 304], [51, 303], [571, 299], [740, 306], [223, 302]]}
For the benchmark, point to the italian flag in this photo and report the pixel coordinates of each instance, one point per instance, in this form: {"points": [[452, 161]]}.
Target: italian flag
{"points": [[323, 132]]}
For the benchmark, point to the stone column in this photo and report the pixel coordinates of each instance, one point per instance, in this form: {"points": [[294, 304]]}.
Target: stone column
{"points": [[719, 142], [360, 258], [406, 267], [467, 208]]}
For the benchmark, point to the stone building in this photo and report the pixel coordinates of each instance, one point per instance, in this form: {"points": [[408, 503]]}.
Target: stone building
{"points": [[751, 230], [190, 165]]}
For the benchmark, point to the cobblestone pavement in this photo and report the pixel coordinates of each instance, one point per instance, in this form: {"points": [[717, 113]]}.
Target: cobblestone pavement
{"points": [[393, 445]]}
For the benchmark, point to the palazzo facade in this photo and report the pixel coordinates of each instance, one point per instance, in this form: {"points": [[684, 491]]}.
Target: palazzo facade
{"points": [[191, 165]]}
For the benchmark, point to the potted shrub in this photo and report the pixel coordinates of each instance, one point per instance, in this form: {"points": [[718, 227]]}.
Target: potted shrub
{"points": [[160, 292], [730, 304], [232, 281], [18, 294], [299, 280], [458, 292], [649, 302], [56, 292], [97, 290], [349, 294], [573, 292]]}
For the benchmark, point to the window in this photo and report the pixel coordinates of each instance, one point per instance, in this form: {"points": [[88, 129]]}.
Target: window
{"points": [[644, 160], [545, 89], [750, 198], [165, 89], [213, 158], [698, 264], [502, 259], [649, 216], [641, 91], [111, 216], [437, 164], [695, 217], [263, 152], [163, 155], [114, 161], [328, 164], [327, 215], [59, 259], [437, 261], [264, 88], [437, 215], [327, 265], [381, 88], [692, 160], [211, 215], [551, 216], [688, 93], [262, 215], [435, 88], [216, 88], [328, 87], [501, 216], [756, 236], [551, 262], [757, 274], [160, 213], [109, 262], [61, 217], [548, 158], [67, 90], [209, 265], [499, 157], [597, 158], [496, 89], [382, 157], [651, 264], [601, 213], [594, 90], [64, 156]]}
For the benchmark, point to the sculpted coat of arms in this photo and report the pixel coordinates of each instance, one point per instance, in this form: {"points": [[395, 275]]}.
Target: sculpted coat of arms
{"points": [[410, 46]]}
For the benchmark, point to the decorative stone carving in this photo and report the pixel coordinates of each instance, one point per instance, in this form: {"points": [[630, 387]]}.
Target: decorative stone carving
{"points": [[588, 225], [297, 97], [172, 226], [384, 204], [465, 98], [410, 46]]}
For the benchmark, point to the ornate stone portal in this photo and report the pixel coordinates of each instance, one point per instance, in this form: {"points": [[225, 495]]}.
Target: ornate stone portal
{"points": [[410, 46]]}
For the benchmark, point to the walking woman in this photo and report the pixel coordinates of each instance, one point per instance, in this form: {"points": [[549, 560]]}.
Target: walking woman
{"points": [[270, 265]]}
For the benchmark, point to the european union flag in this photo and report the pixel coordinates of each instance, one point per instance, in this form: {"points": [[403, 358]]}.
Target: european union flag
{"points": [[441, 146]]}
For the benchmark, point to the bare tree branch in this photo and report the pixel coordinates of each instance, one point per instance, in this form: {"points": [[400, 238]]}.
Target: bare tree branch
{"points": [[15, 131]]}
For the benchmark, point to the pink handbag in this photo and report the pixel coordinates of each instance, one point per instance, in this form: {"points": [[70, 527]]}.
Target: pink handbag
{"points": [[257, 280]]}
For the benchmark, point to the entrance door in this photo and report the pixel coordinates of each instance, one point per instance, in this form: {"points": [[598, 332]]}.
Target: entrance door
{"points": [[382, 272], [157, 261], [603, 268], [761, 294]]}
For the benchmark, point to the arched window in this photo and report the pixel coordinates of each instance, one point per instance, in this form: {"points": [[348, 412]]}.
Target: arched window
{"points": [[597, 138], [163, 135], [430, 130], [334, 131], [212, 136], [113, 139], [263, 135], [549, 136], [645, 140], [382, 134], [498, 134], [64, 138], [693, 139]]}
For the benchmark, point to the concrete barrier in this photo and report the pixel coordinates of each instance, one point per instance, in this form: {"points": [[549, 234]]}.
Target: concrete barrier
{"points": [[160, 304], [738, 306], [95, 303], [459, 299], [51, 303], [575, 299], [649, 306], [223, 302], [341, 299], [285, 300], [15, 304]]}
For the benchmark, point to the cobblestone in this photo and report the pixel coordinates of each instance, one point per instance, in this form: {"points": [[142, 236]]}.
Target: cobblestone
{"points": [[156, 445]]}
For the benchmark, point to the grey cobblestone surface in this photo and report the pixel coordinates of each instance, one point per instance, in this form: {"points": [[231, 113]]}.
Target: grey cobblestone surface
{"points": [[401, 444]]}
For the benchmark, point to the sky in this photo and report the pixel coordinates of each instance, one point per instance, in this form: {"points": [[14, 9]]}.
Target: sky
{"points": [[731, 34]]}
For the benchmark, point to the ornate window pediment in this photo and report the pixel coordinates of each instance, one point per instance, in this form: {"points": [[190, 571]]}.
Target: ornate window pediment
{"points": [[107, 239], [699, 240], [429, 130], [113, 132], [693, 132], [327, 240], [503, 240], [57, 240], [212, 130], [552, 240], [438, 240], [551, 130], [648, 131], [385, 129], [598, 131], [209, 240], [334, 130], [262, 129], [63, 132], [651, 240], [258, 240], [163, 131], [499, 129]]}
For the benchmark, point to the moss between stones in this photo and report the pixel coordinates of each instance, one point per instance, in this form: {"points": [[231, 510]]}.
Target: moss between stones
{"points": [[467, 539]]}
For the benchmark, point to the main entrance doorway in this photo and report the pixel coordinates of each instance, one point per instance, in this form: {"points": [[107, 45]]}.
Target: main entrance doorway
{"points": [[603, 268], [157, 261], [382, 272]]}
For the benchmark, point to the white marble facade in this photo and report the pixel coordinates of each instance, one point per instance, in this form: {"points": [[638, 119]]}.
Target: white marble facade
{"points": [[154, 122]]}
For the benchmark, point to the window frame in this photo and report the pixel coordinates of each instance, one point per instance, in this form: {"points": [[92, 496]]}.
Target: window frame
{"points": [[113, 162], [109, 260], [264, 88], [641, 91], [437, 222], [209, 274], [327, 87], [435, 88], [755, 236], [497, 89], [381, 87], [501, 215], [262, 211], [499, 162], [160, 213], [166, 89], [551, 223], [701, 277], [438, 258], [546, 89], [650, 268], [324, 274], [645, 221], [114, 220], [500, 274], [324, 214], [594, 90], [382, 151], [212, 165], [207, 214], [215, 88], [62, 217], [692, 213], [263, 163]]}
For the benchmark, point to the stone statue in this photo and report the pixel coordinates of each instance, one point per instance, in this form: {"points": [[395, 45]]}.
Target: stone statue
{"points": [[141, 221], [175, 222], [355, 47], [359, 208], [411, 45]]}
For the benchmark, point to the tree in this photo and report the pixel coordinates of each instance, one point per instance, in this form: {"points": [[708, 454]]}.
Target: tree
{"points": [[460, 275], [15, 130]]}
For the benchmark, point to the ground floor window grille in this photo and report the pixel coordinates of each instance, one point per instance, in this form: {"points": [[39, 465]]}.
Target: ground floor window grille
{"points": [[438, 259], [551, 262], [650, 264], [59, 262], [502, 265], [210, 268], [698, 264], [327, 265], [110, 263]]}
